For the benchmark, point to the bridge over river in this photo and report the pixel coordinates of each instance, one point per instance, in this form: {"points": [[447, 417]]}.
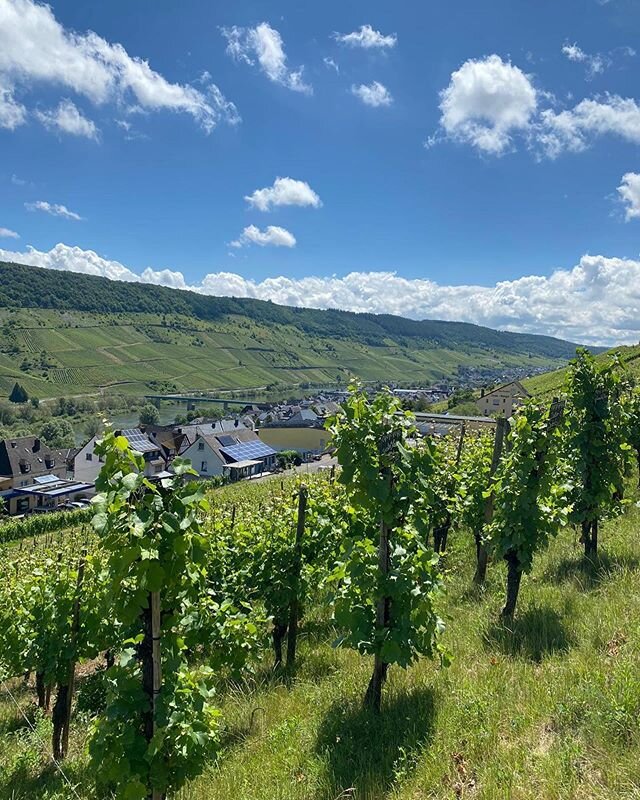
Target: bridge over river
{"points": [[225, 402]]}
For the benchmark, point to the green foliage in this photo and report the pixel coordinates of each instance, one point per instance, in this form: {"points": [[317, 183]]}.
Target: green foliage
{"points": [[152, 537], [57, 433], [149, 415], [529, 488], [472, 481], [18, 394], [597, 430], [388, 481]]}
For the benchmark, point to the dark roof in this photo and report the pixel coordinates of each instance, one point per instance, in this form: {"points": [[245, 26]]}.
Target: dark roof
{"points": [[506, 386], [22, 455]]}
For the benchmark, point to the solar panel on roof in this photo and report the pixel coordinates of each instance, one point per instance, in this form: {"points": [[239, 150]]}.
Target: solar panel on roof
{"points": [[139, 441], [248, 451], [226, 440]]}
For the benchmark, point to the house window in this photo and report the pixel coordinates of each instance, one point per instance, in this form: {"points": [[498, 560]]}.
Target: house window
{"points": [[200, 445], [89, 456], [50, 463], [204, 467], [22, 504]]}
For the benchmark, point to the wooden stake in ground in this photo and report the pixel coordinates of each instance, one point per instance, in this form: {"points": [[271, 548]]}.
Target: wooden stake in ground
{"points": [[62, 708], [373, 696], [294, 606]]}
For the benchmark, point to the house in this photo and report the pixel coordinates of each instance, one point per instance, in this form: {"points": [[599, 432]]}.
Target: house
{"points": [[23, 461], [303, 431], [504, 400], [240, 454], [48, 492], [87, 464]]}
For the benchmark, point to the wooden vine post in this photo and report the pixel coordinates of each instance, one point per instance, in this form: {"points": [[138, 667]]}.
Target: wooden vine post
{"points": [[154, 598], [388, 445], [62, 708], [294, 606], [482, 553]]}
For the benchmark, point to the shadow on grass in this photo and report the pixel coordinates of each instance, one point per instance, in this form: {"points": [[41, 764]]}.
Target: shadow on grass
{"points": [[590, 573], [30, 776], [366, 753], [532, 635]]}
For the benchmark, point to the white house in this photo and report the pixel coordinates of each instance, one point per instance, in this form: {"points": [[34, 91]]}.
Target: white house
{"points": [[239, 454], [87, 464], [504, 400]]}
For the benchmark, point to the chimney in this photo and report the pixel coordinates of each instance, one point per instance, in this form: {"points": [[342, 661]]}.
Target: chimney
{"points": [[482, 392], [36, 445]]}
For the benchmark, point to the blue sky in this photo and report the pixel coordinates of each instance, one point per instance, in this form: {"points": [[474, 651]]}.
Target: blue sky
{"points": [[438, 154]]}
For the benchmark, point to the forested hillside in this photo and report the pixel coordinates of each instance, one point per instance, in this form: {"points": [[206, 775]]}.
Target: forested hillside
{"points": [[64, 333]]}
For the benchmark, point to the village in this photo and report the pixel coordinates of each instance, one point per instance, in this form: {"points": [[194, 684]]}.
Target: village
{"points": [[259, 440]]}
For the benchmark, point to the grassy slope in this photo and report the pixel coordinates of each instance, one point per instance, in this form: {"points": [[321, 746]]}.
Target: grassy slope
{"points": [[548, 711], [134, 354], [551, 383]]}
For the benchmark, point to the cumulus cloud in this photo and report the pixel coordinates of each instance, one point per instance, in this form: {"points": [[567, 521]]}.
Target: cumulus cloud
{"points": [[36, 48], [596, 301], [574, 129], [55, 209], [367, 38], [629, 191], [66, 118], [373, 94], [272, 235], [7, 233], [264, 45], [489, 104], [486, 101], [284, 192]]}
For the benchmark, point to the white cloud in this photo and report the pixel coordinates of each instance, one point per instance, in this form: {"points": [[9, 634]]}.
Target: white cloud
{"points": [[596, 301], [574, 129], [68, 119], [12, 113], [17, 181], [373, 94], [367, 38], [487, 101], [36, 48], [55, 209], [595, 63], [272, 235], [489, 104], [264, 43], [7, 233], [331, 64], [284, 192], [629, 191]]}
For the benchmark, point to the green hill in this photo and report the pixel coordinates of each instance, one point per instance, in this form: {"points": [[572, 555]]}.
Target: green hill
{"points": [[68, 333], [552, 383]]}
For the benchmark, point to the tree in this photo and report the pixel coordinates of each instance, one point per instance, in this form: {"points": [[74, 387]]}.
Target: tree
{"points": [[597, 423], [159, 726], [149, 415], [18, 394], [387, 579], [57, 433]]}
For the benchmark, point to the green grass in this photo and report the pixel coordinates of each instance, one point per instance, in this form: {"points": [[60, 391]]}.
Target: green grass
{"points": [[132, 353], [546, 710], [552, 383]]}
